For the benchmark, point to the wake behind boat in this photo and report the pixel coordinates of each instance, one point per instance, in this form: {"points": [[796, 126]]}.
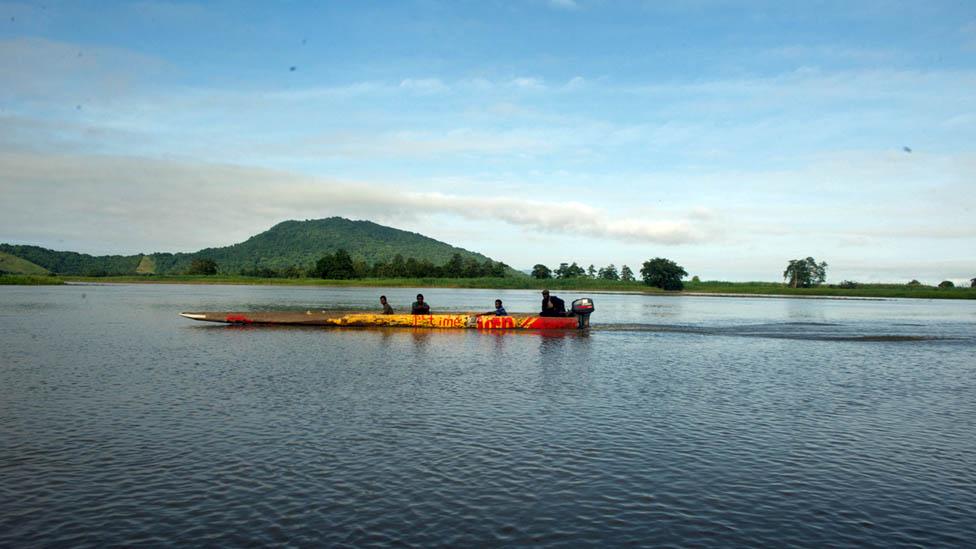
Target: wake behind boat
{"points": [[578, 319]]}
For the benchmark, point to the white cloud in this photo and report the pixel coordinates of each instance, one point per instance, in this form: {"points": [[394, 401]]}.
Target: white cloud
{"points": [[529, 83], [575, 83], [126, 204], [423, 85], [564, 4], [36, 69]]}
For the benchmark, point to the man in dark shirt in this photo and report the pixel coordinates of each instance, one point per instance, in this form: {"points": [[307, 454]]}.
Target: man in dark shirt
{"points": [[552, 305], [387, 310], [420, 307]]}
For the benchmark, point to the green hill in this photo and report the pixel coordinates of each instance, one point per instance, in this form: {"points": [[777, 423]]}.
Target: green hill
{"points": [[16, 265], [288, 244]]}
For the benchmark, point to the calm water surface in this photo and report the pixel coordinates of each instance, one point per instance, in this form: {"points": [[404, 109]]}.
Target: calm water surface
{"points": [[675, 420]]}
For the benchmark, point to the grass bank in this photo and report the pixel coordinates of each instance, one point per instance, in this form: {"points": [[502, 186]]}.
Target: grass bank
{"points": [[574, 284], [862, 290], [29, 280]]}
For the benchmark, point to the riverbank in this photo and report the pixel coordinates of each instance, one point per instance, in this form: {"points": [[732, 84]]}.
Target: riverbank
{"points": [[30, 280], [574, 284]]}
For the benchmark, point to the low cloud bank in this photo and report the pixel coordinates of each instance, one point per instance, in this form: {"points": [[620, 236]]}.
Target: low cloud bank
{"points": [[144, 204]]}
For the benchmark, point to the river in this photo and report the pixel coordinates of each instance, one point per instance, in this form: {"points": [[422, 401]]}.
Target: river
{"points": [[687, 420]]}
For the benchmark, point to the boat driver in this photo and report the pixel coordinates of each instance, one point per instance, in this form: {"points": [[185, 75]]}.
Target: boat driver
{"points": [[552, 305]]}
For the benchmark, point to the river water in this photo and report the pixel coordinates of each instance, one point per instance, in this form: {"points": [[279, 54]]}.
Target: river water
{"points": [[674, 420]]}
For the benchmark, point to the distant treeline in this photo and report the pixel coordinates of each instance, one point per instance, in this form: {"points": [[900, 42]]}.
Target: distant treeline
{"points": [[341, 266], [73, 262], [572, 270]]}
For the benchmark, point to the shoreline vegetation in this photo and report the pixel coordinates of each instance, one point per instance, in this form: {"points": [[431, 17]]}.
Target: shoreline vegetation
{"points": [[718, 288]]}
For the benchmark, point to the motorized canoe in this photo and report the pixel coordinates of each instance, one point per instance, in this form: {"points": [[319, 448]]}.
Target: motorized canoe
{"points": [[579, 318]]}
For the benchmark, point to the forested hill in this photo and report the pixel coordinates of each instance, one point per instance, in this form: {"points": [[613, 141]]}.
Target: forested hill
{"points": [[288, 244]]}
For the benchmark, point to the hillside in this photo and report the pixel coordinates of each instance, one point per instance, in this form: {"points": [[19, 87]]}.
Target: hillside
{"points": [[287, 244], [16, 265]]}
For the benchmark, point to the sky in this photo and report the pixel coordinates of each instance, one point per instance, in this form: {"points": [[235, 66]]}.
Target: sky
{"points": [[729, 137]]}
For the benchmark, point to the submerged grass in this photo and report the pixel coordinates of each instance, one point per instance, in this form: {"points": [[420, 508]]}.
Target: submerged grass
{"points": [[573, 284]]}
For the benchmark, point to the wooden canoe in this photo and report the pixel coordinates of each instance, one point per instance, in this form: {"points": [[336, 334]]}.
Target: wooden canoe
{"points": [[355, 319]]}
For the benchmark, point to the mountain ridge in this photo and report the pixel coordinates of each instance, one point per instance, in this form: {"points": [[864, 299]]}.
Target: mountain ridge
{"points": [[287, 244]]}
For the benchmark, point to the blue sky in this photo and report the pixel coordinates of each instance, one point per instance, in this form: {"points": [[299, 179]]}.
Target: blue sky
{"points": [[730, 137]]}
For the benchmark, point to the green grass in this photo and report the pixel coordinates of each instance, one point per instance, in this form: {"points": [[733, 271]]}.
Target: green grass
{"points": [[862, 290], [29, 280], [16, 265], [576, 284]]}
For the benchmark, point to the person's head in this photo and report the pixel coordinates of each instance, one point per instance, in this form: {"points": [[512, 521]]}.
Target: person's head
{"points": [[545, 293], [383, 299], [498, 303], [420, 298]]}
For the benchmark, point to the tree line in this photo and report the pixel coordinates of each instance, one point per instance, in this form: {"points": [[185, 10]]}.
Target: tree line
{"points": [[658, 272], [341, 266], [572, 270]]}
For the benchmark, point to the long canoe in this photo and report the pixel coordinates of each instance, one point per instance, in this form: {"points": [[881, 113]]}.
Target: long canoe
{"points": [[457, 320]]}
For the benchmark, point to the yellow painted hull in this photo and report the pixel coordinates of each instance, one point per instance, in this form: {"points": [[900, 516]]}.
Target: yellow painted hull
{"points": [[454, 321]]}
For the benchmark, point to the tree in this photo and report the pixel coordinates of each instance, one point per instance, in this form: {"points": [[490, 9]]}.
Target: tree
{"points": [[609, 273], [663, 273], [972, 282], [591, 271], [626, 274], [914, 284], [202, 267], [695, 279], [337, 266], [454, 268], [540, 271], [804, 273], [569, 271], [397, 267], [946, 284]]}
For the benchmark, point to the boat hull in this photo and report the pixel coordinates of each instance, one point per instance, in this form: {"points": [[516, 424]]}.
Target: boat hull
{"points": [[445, 321]]}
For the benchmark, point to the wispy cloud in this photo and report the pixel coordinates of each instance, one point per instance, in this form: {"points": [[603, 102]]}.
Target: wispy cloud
{"points": [[227, 200], [39, 70], [423, 85], [564, 4]]}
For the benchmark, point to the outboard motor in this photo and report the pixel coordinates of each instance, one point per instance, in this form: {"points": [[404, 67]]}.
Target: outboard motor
{"points": [[582, 308]]}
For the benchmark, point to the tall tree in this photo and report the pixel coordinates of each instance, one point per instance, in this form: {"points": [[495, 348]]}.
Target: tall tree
{"points": [[591, 271], [663, 273], [337, 266], [454, 268], [804, 273], [202, 267], [626, 274], [540, 271], [609, 273]]}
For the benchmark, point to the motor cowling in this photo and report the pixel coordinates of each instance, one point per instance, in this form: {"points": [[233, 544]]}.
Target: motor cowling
{"points": [[582, 308]]}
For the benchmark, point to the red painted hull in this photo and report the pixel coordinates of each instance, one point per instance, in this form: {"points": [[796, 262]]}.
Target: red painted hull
{"points": [[352, 319]]}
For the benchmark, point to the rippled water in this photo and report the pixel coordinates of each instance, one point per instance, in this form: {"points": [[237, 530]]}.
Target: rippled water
{"points": [[674, 420]]}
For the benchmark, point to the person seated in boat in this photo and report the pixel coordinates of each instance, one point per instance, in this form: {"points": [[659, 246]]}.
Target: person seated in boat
{"points": [[420, 307], [499, 310], [552, 305], [387, 310]]}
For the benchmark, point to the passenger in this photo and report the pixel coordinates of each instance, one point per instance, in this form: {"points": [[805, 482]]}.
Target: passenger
{"points": [[499, 310], [387, 310], [419, 307], [552, 305]]}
